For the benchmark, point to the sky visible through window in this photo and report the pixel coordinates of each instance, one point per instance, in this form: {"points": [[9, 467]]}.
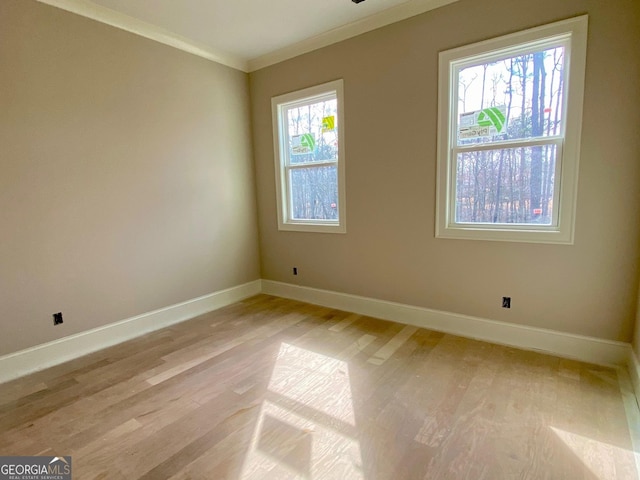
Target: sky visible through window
{"points": [[511, 100]]}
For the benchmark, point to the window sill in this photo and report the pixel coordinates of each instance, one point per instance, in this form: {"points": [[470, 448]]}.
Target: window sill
{"points": [[312, 227], [561, 237]]}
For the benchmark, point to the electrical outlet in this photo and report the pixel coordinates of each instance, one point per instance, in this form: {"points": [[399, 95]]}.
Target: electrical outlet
{"points": [[57, 318], [506, 302], [295, 270]]}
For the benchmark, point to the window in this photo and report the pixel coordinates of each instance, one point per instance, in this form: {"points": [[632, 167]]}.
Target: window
{"points": [[308, 131], [510, 115]]}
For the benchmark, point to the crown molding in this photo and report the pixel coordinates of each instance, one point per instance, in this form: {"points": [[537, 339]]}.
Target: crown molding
{"points": [[119, 20], [130, 24], [372, 22]]}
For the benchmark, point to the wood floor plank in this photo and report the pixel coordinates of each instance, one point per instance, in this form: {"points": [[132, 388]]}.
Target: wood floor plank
{"points": [[344, 323], [273, 388], [392, 345]]}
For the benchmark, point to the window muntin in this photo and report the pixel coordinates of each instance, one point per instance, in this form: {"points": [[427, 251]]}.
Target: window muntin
{"points": [[309, 159], [509, 135]]}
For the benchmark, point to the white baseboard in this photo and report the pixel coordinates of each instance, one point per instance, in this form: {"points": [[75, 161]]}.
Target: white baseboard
{"points": [[53, 353], [633, 366], [588, 349], [629, 381], [578, 347]]}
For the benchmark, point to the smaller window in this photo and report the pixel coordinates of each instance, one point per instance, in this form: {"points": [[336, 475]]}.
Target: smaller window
{"points": [[509, 135], [308, 130]]}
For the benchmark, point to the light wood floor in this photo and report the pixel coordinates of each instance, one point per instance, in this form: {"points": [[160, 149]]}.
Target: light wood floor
{"points": [[275, 389]]}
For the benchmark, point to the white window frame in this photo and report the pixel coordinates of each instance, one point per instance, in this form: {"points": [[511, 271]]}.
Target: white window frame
{"points": [[572, 34], [283, 191]]}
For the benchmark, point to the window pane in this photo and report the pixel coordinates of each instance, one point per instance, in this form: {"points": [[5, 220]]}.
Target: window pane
{"points": [[515, 98], [313, 131], [314, 193], [511, 185]]}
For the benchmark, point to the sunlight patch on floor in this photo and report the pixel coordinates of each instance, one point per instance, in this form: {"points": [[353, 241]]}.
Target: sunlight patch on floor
{"points": [[306, 426], [599, 457]]}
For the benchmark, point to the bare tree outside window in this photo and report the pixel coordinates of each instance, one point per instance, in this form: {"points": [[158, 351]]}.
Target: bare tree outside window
{"points": [[313, 140], [309, 159], [510, 120], [516, 99]]}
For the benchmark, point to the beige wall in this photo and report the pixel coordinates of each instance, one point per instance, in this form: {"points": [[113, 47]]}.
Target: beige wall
{"points": [[126, 179], [389, 252], [127, 185], [636, 334]]}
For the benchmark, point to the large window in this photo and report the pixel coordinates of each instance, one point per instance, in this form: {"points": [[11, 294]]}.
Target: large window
{"points": [[509, 135], [309, 156]]}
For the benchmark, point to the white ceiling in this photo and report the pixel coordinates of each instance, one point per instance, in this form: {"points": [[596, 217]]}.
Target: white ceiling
{"points": [[248, 34]]}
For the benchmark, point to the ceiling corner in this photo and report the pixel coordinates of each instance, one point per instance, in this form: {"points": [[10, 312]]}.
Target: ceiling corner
{"points": [[119, 20]]}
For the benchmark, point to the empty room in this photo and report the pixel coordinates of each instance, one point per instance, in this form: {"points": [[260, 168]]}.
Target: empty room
{"points": [[339, 239]]}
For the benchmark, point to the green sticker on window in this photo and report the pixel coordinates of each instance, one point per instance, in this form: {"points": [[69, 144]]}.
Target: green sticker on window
{"points": [[492, 117], [483, 123], [303, 144]]}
